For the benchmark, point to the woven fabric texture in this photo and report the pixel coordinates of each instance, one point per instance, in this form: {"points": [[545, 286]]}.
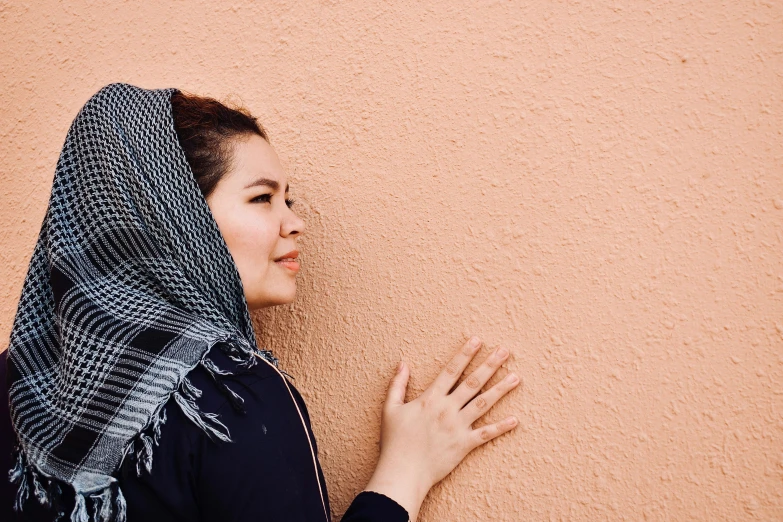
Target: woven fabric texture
{"points": [[129, 286]]}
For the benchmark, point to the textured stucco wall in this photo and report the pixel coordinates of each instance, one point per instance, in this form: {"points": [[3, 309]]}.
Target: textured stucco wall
{"points": [[597, 185]]}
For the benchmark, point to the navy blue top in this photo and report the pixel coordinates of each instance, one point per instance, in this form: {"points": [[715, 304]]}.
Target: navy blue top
{"points": [[267, 473]]}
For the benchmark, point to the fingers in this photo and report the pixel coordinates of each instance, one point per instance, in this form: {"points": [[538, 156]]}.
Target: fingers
{"points": [[491, 431], [481, 404], [398, 386], [453, 370], [476, 380]]}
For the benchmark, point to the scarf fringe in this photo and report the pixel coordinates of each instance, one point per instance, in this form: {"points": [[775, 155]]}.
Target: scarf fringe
{"points": [[239, 351], [237, 402], [208, 422], [141, 446], [108, 504], [18, 475]]}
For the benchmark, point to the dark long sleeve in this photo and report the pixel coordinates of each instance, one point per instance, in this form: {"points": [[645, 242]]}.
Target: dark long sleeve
{"points": [[369, 506]]}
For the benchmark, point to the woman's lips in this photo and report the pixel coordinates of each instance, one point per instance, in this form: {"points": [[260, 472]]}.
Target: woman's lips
{"points": [[290, 264]]}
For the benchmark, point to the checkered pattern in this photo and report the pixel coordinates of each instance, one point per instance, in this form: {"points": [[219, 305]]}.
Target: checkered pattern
{"points": [[129, 286]]}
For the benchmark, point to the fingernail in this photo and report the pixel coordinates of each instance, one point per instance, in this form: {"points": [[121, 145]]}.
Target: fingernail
{"points": [[474, 342], [399, 366], [502, 352], [512, 422], [512, 378]]}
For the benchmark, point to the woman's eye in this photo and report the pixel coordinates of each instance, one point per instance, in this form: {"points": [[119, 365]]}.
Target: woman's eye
{"points": [[265, 198]]}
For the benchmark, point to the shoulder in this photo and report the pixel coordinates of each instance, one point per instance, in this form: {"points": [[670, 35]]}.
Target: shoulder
{"points": [[241, 381]]}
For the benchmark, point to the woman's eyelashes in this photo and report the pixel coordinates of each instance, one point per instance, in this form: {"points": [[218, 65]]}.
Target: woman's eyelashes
{"points": [[266, 198]]}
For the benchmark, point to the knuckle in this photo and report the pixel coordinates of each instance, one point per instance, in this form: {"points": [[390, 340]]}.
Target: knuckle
{"points": [[481, 403], [498, 357], [451, 368], [491, 367], [473, 382], [485, 434], [442, 414]]}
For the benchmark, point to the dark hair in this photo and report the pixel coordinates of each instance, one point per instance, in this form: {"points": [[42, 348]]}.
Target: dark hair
{"points": [[205, 128]]}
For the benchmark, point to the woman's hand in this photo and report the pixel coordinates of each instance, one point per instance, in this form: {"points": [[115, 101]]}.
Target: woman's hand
{"points": [[423, 440]]}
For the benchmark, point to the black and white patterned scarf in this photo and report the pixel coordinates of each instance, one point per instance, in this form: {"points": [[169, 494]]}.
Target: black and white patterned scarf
{"points": [[129, 286]]}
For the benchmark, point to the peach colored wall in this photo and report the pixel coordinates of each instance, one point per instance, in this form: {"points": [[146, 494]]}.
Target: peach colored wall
{"points": [[597, 185]]}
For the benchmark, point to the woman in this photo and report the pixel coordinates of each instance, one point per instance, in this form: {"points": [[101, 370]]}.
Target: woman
{"points": [[135, 385]]}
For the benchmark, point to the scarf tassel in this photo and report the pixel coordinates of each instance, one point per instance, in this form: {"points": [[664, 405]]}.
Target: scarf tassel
{"points": [[103, 505], [140, 447], [186, 397], [143, 453], [79, 513], [239, 351], [237, 402], [160, 419], [39, 489], [27, 479], [18, 476], [106, 506]]}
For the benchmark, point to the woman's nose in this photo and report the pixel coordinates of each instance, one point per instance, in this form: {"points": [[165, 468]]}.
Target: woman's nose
{"points": [[293, 225]]}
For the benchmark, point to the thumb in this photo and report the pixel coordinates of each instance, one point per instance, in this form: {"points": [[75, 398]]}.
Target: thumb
{"points": [[398, 386]]}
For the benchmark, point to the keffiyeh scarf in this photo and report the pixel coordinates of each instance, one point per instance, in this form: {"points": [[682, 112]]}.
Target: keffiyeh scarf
{"points": [[129, 286]]}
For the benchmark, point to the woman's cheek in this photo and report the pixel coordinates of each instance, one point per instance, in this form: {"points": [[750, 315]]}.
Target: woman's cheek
{"points": [[258, 244]]}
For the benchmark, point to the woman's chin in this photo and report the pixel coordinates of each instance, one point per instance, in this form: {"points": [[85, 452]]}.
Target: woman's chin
{"points": [[276, 300]]}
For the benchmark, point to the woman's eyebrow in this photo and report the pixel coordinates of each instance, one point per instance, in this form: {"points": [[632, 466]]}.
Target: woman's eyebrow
{"points": [[268, 182]]}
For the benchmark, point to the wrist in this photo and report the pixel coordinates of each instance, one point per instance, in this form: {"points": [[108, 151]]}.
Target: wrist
{"points": [[400, 483]]}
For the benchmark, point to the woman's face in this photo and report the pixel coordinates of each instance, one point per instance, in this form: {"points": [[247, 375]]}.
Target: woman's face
{"points": [[257, 223]]}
